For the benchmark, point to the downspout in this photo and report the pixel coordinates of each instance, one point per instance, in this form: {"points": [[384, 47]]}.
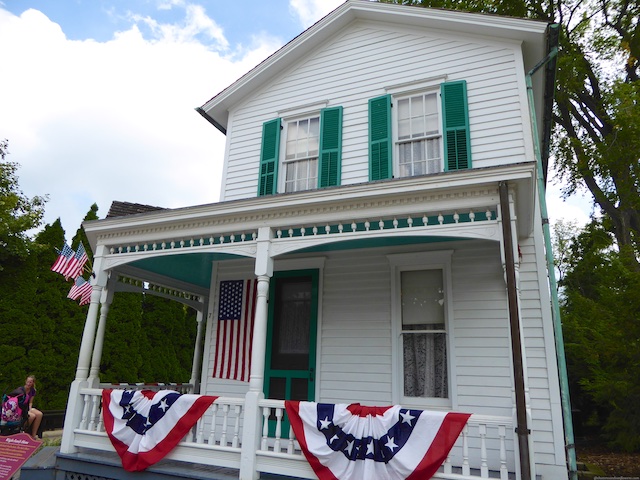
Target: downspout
{"points": [[550, 63]]}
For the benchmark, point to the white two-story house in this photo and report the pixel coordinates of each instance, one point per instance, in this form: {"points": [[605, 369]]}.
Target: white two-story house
{"points": [[381, 217]]}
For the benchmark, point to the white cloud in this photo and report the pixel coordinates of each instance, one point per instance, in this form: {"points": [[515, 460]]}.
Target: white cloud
{"points": [[310, 11], [101, 121]]}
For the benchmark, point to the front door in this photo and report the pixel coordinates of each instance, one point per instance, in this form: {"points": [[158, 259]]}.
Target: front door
{"points": [[291, 336]]}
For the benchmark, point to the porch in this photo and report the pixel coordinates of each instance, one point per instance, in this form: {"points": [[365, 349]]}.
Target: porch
{"points": [[215, 448]]}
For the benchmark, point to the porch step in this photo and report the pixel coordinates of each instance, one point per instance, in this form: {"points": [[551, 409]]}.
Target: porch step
{"points": [[96, 465]]}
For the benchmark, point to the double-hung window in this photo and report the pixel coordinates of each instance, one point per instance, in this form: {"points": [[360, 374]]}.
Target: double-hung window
{"points": [[421, 132], [302, 152], [421, 311], [419, 139]]}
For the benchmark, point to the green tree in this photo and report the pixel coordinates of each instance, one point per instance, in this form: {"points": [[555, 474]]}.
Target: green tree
{"points": [[600, 306], [18, 213]]}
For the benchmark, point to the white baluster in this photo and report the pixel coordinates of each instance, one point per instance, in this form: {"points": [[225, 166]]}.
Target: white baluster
{"points": [[302, 231], [367, 225], [276, 445], [381, 225], [315, 230], [504, 473], [410, 221], [201, 241], [465, 451], [484, 469], [265, 427], [340, 227], [291, 444], [395, 223], [214, 418], [447, 465], [327, 229], [85, 413], [279, 233], [232, 238], [290, 232], [225, 422], [472, 216], [489, 215], [173, 244], [182, 243], [236, 426], [353, 226], [243, 237], [425, 220], [221, 238], [95, 412], [440, 219], [456, 217], [111, 250], [211, 240]]}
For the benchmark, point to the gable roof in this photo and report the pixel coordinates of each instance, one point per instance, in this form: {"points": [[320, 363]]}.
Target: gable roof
{"points": [[531, 33]]}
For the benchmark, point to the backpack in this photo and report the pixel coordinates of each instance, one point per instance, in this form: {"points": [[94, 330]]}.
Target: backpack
{"points": [[12, 407]]}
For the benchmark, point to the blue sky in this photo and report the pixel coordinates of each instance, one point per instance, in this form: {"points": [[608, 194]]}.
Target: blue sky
{"points": [[97, 97]]}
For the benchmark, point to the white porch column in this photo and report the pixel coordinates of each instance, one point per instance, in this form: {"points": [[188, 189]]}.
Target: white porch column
{"points": [[252, 428], [105, 303], [197, 352], [75, 404]]}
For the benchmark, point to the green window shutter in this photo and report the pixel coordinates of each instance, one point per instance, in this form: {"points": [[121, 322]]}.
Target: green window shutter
{"points": [[455, 121], [380, 138], [269, 153], [330, 147]]}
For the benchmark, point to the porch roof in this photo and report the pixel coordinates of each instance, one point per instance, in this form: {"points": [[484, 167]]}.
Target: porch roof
{"points": [[180, 244]]}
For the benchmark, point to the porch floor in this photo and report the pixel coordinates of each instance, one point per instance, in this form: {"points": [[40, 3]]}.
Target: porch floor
{"points": [[98, 465]]}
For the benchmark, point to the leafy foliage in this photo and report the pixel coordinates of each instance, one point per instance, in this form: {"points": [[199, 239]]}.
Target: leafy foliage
{"points": [[600, 320], [18, 213]]}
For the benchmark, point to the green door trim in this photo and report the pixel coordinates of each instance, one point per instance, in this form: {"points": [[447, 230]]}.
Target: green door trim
{"points": [[313, 334]]}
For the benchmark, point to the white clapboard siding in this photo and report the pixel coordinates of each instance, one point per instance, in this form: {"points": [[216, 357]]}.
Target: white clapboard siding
{"points": [[357, 65], [355, 349]]}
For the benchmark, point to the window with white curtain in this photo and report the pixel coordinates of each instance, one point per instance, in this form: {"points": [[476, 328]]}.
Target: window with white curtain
{"points": [[421, 283], [424, 342]]}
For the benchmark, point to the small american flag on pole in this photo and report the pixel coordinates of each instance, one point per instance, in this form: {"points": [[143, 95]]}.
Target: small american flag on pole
{"points": [[236, 314], [79, 289], [64, 257], [75, 265]]}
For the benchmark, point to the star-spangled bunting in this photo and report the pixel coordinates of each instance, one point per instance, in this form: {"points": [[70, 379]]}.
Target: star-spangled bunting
{"points": [[144, 426], [352, 442], [234, 334]]}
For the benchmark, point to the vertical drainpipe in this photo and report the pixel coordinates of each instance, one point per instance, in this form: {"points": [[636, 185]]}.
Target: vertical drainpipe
{"points": [[553, 287]]}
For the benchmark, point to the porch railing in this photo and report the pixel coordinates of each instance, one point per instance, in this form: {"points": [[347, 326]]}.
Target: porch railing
{"points": [[483, 450]]}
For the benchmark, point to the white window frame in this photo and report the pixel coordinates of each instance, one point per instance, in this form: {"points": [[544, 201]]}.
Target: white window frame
{"points": [[436, 260], [284, 162], [397, 142]]}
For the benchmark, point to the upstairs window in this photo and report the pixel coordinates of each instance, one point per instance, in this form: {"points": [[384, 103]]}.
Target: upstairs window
{"points": [[301, 154], [419, 137], [427, 133], [310, 154]]}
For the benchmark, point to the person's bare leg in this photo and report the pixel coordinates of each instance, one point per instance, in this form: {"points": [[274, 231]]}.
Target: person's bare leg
{"points": [[35, 418]]}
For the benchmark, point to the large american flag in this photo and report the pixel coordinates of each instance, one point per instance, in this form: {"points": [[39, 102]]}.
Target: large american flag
{"points": [[354, 442], [234, 336]]}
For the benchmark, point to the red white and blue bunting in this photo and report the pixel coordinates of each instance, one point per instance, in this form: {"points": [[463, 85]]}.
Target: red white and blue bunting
{"points": [[144, 426], [353, 442]]}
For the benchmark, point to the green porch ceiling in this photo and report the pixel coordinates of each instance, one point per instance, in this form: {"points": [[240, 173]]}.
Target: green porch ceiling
{"points": [[195, 268]]}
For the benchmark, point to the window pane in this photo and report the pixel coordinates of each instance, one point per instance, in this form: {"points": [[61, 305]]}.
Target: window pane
{"points": [[425, 365], [422, 297]]}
